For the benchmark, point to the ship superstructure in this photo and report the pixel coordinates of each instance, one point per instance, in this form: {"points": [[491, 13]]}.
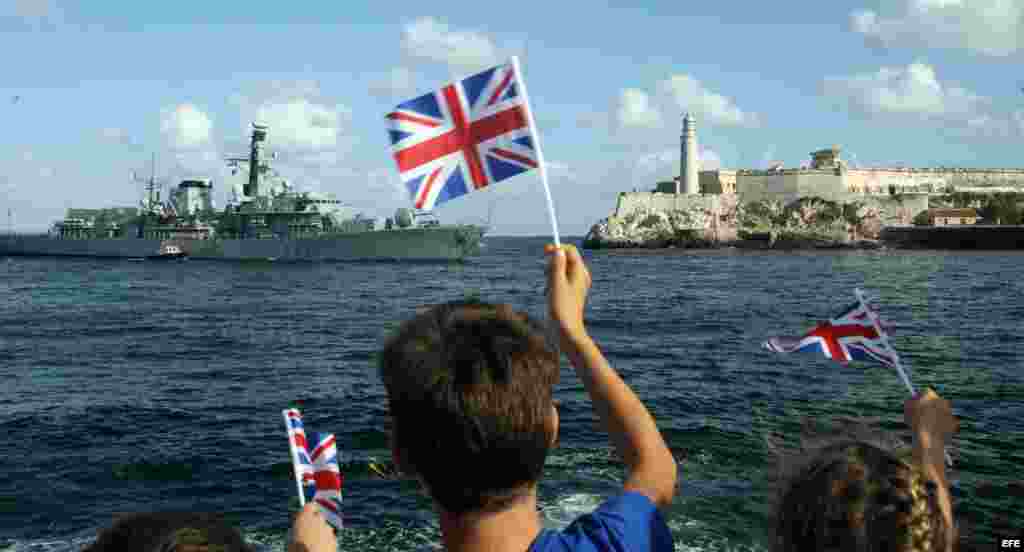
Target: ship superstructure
{"points": [[266, 219]]}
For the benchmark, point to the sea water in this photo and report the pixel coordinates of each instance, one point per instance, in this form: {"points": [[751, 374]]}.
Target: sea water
{"points": [[158, 386]]}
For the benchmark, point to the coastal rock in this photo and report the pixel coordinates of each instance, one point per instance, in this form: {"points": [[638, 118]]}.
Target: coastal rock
{"points": [[807, 223], [651, 228]]}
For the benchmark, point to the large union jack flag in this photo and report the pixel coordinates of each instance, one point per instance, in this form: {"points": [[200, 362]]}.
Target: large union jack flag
{"points": [[849, 336], [463, 137], [315, 460]]}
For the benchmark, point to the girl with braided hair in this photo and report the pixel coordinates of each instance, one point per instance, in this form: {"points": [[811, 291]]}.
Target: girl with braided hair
{"points": [[855, 495]]}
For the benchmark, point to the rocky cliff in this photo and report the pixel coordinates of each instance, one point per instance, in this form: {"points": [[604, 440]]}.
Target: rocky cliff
{"points": [[805, 223]]}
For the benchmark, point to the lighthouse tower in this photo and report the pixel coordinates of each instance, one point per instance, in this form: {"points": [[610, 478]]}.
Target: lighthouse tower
{"points": [[688, 179]]}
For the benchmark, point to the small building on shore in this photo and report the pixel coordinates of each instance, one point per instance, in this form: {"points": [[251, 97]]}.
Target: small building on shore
{"points": [[949, 217]]}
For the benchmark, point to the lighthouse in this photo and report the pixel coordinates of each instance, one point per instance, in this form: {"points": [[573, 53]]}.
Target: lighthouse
{"points": [[688, 180]]}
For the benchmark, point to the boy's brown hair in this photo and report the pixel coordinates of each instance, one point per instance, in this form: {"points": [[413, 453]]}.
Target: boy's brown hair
{"points": [[469, 393]]}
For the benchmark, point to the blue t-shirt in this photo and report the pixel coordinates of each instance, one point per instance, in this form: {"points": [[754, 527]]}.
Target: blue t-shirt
{"points": [[629, 522]]}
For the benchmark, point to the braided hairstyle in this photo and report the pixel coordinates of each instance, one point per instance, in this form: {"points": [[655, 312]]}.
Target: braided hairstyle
{"points": [[855, 496]]}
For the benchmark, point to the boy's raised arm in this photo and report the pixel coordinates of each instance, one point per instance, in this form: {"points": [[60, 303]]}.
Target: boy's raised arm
{"points": [[932, 421], [633, 432]]}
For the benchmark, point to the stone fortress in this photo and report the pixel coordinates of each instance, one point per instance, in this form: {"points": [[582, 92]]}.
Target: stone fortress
{"points": [[827, 176]]}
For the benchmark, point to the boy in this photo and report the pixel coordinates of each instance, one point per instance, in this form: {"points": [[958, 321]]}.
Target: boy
{"points": [[469, 394]]}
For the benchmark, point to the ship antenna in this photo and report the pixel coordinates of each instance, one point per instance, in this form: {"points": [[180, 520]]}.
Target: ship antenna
{"points": [[152, 196]]}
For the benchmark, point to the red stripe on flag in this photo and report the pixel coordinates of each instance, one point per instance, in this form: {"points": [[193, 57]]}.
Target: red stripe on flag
{"points": [[464, 131], [514, 156], [501, 88], [485, 129], [830, 335], [322, 447], [327, 479], [300, 440], [425, 190], [412, 119]]}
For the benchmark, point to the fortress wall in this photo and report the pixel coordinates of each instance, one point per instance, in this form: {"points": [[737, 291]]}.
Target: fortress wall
{"points": [[789, 185], [758, 186], [932, 180], [718, 182], [823, 184], [877, 181]]}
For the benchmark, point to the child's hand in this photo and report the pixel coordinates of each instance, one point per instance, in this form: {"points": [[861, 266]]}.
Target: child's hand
{"points": [[930, 414], [568, 284], [311, 533]]}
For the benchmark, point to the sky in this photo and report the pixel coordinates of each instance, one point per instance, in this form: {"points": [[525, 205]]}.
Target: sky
{"points": [[91, 91]]}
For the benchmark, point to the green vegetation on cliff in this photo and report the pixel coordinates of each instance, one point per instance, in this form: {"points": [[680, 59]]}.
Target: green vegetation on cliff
{"points": [[806, 221]]}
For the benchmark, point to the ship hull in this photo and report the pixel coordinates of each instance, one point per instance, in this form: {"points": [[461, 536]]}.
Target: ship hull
{"points": [[451, 243]]}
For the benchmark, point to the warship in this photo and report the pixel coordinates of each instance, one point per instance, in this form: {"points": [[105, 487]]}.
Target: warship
{"points": [[268, 220]]}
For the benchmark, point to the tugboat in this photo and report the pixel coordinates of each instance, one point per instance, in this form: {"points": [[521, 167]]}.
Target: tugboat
{"points": [[169, 252]]}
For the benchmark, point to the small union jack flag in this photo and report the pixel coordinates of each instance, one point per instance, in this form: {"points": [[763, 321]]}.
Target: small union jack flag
{"points": [[849, 336], [315, 460], [463, 137]]}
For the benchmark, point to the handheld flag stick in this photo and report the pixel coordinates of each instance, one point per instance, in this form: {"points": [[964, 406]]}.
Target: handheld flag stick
{"points": [[885, 341], [294, 454], [896, 356], [540, 154]]}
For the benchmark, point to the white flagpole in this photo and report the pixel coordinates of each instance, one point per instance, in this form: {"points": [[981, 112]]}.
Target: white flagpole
{"points": [[536, 139], [896, 356], [295, 455], [885, 341]]}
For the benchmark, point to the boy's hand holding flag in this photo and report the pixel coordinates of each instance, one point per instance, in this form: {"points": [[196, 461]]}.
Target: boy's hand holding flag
{"points": [[315, 462]]}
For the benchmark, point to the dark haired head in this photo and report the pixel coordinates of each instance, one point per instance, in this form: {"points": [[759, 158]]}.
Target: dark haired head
{"points": [[169, 532], [854, 495], [469, 393]]}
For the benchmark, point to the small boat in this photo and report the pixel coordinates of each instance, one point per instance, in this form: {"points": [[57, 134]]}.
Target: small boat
{"points": [[169, 252]]}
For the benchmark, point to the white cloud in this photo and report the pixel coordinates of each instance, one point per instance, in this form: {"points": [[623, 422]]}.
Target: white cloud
{"points": [[397, 81], [991, 27], [300, 118], [634, 109], [914, 90], [915, 94], [431, 39], [302, 124], [690, 95], [185, 126]]}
